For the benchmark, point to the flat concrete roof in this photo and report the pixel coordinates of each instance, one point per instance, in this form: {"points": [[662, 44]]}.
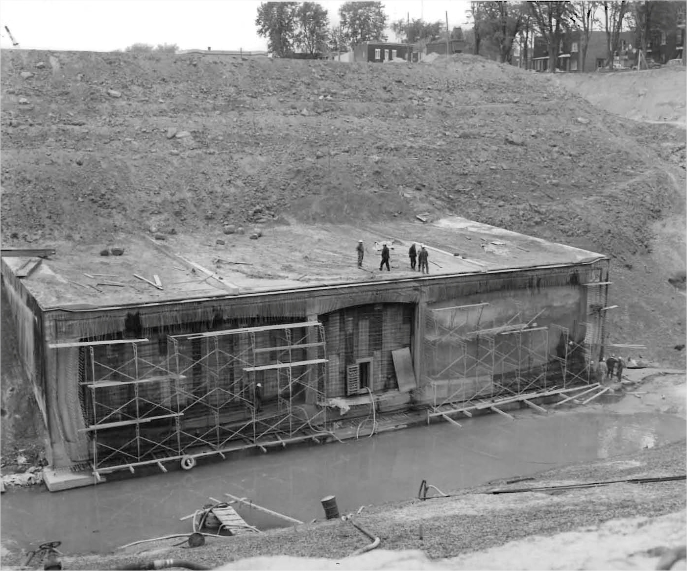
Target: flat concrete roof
{"points": [[286, 257]]}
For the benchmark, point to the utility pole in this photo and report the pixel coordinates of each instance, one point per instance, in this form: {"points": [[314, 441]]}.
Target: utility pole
{"points": [[408, 39], [447, 35]]}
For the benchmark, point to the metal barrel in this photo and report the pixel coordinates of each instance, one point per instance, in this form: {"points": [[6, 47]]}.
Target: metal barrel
{"points": [[330, 508]]}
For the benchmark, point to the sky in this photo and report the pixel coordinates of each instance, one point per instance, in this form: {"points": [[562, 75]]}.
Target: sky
{"points": [[106, 25]]}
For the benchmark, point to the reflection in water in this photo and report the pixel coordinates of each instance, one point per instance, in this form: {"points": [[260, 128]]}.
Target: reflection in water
{"points": [[387, 467]]}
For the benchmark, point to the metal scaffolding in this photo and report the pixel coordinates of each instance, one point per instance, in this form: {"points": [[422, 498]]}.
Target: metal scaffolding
{"points": [[469, 364], [195, 395]]}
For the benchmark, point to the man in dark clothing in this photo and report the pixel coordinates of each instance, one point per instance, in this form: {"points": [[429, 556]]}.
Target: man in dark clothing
{"points": [[385, 258], [610, 365], [619, 366], [422, 258], [258, 397], [412, 254], [361, 253]]}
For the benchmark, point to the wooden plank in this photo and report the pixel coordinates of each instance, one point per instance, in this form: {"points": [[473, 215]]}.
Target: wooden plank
{"points": [[93, 343], [578, 395], [535, 406], [452, 421], [231, 288], [265, 510], [157, 281], [602, 391], [107, 425], [590, 284], [147, 281], [466, 413], [609, 307], [104, 384], [403, 364], [460, 306], [495, 409], [29, 268], [288, 347], [245, 330], [116, 284], [285, 365], [27, 252]]}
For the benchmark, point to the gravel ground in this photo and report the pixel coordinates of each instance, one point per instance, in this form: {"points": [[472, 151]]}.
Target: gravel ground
{"points": [[469, 521]]}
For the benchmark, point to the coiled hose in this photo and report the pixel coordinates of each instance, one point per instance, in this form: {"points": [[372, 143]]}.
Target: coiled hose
{"points": [[163, 564]]}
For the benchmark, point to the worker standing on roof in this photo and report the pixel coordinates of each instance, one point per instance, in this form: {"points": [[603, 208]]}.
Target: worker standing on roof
{"points": [[361, 253], [422, 257], [412, 254], [385, 258]]}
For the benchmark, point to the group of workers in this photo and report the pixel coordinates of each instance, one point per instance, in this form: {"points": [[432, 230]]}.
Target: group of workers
{"points": [[417, 258], [613, 366]]}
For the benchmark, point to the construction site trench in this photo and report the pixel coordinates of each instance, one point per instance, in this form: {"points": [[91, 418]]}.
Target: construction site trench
{"points": [[385, 468]]}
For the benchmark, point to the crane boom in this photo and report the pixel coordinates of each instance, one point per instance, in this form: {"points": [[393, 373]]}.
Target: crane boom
{"points": [[14, 42]]}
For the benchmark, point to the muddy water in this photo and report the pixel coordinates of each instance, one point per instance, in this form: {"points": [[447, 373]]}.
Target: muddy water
{"points": [[387, 467]]}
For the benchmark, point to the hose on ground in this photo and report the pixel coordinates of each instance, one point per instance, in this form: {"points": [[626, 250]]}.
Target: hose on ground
{"points": [[375, 540], [163, 564]]}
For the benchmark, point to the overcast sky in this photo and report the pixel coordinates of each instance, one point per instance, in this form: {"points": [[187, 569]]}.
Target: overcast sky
{"points": [[104, 25]]}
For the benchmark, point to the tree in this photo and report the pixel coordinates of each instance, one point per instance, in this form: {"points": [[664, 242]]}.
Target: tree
{"points": [[526, 36], [312, 21], [418, 30], [551, 19], [139, 48], [584, 18], [363, 22], [651, 18], [167, 48], [504, 21], [499, 23], [614, 14], [276, 21]]}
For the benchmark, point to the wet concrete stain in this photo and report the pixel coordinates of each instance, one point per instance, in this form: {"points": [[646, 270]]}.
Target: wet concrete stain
{"points": [[387, 467]]}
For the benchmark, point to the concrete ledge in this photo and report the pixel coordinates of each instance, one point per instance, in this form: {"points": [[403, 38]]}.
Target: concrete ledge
{"points": [[65, 479]]}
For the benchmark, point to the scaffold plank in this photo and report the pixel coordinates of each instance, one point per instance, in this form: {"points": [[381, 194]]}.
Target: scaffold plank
{"points": [[597, 284], [452, 421], [602, 391], [578, 395], [535, 406], [94, 343], [285, 365], [288, 347], [105, 384], [246, 330], [460, 306], [117, 424], [502, 413]]}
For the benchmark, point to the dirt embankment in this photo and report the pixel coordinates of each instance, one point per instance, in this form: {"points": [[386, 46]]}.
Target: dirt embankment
{"points": [[647, 95], [100, 144]]}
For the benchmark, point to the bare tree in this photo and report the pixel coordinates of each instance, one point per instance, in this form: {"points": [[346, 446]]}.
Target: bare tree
{"points": [[585, 18], [614, 15], [552, 20]]}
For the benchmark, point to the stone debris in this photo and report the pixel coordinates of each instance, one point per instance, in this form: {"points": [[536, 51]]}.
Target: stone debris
{"points": [[26, 74], [114, 93], [182, 134]]}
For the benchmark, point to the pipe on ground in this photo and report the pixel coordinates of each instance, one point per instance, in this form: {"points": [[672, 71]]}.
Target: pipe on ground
{"points": [[163, 564], [375, 540]]}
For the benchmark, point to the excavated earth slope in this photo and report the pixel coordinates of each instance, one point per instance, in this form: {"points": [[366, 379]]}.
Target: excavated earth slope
{"points": [[97, 145]]}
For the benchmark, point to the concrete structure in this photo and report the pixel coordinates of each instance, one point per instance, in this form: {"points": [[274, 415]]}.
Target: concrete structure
{"points": [[380, 52], [155, 356], [454, 47]]}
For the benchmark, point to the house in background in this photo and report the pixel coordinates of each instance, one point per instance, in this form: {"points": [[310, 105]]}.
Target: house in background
{"points": [[454, 47], [570, 52], [380, 52]]}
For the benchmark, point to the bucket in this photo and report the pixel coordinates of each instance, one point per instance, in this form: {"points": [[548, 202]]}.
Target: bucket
{"points": [[330, 508]]}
